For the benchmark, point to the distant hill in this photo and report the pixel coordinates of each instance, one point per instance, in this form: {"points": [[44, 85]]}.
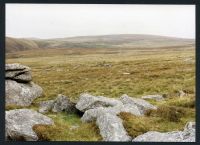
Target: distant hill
{"points": [[103, 41]]}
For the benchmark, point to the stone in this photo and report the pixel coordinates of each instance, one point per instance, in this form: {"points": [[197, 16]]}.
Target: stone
{"points": [[18, 72], [87, 101], [21, 94], [182, 93], [190, 125], [46, 106], [16, 66], [63, 103], [154, 136], [153, 97], [140, 103], [92, 114], [111, 128], [187, 135], [19, 123]]}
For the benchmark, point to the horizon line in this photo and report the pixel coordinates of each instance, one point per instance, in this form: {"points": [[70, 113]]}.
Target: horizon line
{"points": [[96, 36]]}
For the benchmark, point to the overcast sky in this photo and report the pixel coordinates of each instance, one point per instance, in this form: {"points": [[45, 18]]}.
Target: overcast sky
{"points": [[66, 20]]}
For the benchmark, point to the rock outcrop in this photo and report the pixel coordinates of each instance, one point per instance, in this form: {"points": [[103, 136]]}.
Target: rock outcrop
{"points": [[93, 114], [61, 103], [111, 128], [87, 101], [105, 110], [187, 135], [140, 103], [20, 90], [19, 123], [46, 106], [18, 72]]}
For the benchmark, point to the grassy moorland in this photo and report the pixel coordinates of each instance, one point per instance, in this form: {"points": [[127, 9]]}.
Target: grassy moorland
{"points": [[111, 73]]}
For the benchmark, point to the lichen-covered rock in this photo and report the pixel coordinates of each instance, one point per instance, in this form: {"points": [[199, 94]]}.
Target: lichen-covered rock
{"points": [[46, 106], [187, 135], [140, 103], [16, 66], [153, 97], [87, 101], [93, 114], [21, 94], [60, 104], [18, 72], [111, 128], [19, 123], [63, 103]]}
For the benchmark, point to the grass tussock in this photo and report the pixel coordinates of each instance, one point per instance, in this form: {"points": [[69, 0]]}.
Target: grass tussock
{"points": [[66, 129], [170, 113], [11, 107]]}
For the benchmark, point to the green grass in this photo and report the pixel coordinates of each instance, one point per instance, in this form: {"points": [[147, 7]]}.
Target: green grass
{"points": [[63, 129], [74, 71]]}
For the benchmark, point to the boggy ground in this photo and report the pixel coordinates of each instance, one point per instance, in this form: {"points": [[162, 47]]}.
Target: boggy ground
{"points": [[111, 73]]}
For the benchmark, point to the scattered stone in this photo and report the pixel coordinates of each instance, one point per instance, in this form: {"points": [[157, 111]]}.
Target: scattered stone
{"points": [[187, 135], [111, 128], [21, 94], [46, 106], [140, 103], [153, 97], [190, 125], [61, 103], [126, 73], [87, 101], [19, 123], [182, 93], [73, 127]]}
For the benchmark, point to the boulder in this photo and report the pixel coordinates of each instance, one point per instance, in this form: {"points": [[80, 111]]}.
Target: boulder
{"points": [[111, 128], [154, 136], [63, 103], [16, 66], [21, 94], [19, 123], [87, 101], [187, 135], [153, 97], [18, 72], [46, 106], [92, 114], [189, 132], [140, 103]]}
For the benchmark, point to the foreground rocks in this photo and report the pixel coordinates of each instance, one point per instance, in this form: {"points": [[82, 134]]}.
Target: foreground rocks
{"points": [[111, 128], [87, 101], [105, 110], [61, 103], [140, 103], [19, 123], [20, 90], [187, 135]]}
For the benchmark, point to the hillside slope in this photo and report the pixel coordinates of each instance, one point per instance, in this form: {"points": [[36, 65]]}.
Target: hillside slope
{"points": [[104, 41]]}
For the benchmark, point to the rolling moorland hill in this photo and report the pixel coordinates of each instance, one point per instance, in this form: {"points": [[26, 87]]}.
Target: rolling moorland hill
{"points": [[131, 41]]}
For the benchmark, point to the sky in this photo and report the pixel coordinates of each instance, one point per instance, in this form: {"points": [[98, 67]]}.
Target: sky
{"points": [[68, 20]]}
